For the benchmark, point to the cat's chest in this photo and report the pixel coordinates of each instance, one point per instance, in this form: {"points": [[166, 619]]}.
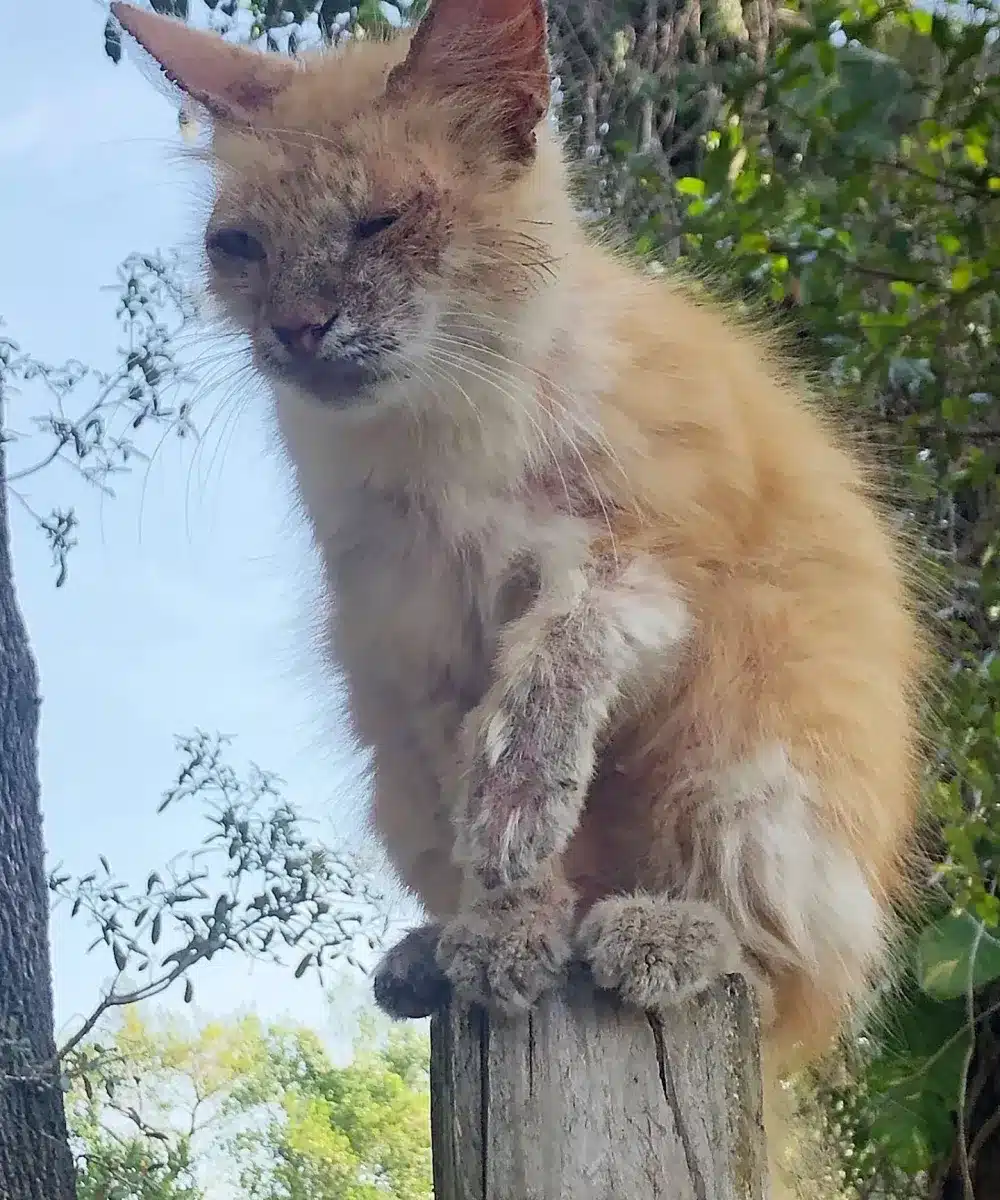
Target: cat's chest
{"points": [[418, 603]]}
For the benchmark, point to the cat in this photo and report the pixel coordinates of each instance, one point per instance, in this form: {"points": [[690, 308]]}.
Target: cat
{"points": [[631, 641]]}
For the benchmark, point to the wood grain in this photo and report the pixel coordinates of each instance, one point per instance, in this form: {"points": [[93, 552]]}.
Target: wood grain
{"points": [[587, 1099]]}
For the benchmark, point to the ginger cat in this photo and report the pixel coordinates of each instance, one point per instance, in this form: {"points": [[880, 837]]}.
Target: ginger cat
{"points": [[627, 636]]}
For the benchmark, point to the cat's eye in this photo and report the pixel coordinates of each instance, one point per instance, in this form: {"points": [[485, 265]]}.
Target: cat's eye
{"points": [[369, 227], [236, 243]]}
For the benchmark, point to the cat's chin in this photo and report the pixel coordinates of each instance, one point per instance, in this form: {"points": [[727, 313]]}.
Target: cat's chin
{"points": [[334, 384]]}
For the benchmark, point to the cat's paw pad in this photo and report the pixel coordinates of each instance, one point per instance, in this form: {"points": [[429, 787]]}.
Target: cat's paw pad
{"points": [[408, 981], [506, 950], [654, 951]]}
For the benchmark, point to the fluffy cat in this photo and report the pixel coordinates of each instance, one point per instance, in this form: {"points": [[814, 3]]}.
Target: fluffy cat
{"points": [[627, 635]]}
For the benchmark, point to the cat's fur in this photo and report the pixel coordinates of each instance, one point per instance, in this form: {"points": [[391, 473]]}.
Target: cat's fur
{"points": [[626, 633]]}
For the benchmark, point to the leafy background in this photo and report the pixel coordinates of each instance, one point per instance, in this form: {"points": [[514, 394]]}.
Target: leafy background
{"points": [[831, 169]]}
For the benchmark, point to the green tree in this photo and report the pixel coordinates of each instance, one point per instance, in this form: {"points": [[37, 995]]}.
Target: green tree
{"points": [[355, 1132], [155, 1108], [257, 887], [115, 1166]]}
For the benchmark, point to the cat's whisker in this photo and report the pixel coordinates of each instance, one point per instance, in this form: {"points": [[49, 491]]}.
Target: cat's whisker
{"points": [[490, 376], [572, 410], [230, 399], [450, 379], [238, 406], [161, 442], [492, 317], [465, 364], [231, 412], [423, 373], [233, 389], [490, 258]]}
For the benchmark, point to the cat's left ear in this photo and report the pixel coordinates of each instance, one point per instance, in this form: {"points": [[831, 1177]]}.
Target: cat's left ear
{"points": [[495, 52], [232, 82]]}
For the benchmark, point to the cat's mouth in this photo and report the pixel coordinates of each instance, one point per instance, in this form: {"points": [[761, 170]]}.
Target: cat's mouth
{"points": [[336, 381]]}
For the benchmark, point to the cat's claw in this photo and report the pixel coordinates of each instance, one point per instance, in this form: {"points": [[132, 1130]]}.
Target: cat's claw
{"points": [[508, 948], [408, 982], [654, 951]]}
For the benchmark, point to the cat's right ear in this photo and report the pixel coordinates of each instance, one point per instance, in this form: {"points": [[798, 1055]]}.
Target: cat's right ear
{"points": [[494, 52], [232, 82]]}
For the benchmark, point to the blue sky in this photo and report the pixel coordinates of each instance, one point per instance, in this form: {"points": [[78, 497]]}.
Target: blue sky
{"points": [[184, 606]]}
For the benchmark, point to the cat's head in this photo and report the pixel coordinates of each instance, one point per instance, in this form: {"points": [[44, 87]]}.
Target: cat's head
{"points": [[376, 207]]}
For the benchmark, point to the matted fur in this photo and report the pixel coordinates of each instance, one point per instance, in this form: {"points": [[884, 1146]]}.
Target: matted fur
{"points": [[565, 489]]}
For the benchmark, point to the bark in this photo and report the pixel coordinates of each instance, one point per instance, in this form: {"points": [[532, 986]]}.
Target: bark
{"points": [[35, 1159], [584, 1099]]}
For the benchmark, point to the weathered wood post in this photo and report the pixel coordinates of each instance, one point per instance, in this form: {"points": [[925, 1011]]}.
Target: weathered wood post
{"points": [[588, 1100]]}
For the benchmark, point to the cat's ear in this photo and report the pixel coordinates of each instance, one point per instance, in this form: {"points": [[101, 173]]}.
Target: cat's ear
{"points": [[495, 50], [232, 82]]}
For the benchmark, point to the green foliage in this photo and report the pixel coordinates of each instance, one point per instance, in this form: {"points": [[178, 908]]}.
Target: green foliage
{"points": [[283, 25], [355, 1132], [142, 1101], [154, 1108], [855, 182], [91, 422], [257, 886], [112, 1167]]}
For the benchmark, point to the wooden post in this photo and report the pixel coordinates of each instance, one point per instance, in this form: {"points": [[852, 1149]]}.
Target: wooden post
{"points": [[585, 1099]]}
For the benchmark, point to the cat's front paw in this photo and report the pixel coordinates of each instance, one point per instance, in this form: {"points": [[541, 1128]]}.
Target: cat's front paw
{"points": [[654, 951], [518, 816], [509, 947], [408, 981]]}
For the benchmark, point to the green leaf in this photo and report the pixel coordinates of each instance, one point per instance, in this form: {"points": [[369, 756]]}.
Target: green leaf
{"points": [[961, 277], [941, 32], [752, 243], [944, 957], [915, 1081], [690, 185], [827, 56], [922, 20], [975, 154]]}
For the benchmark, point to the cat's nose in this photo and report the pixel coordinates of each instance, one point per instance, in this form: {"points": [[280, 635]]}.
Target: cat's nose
{"points": [[302, 338]]}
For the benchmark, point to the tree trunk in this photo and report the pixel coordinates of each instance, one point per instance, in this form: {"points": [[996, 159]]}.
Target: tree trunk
{"points": [[35, 1159], [584, 1099]]}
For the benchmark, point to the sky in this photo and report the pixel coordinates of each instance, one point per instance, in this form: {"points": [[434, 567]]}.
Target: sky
{"points": [[188, 598]]}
